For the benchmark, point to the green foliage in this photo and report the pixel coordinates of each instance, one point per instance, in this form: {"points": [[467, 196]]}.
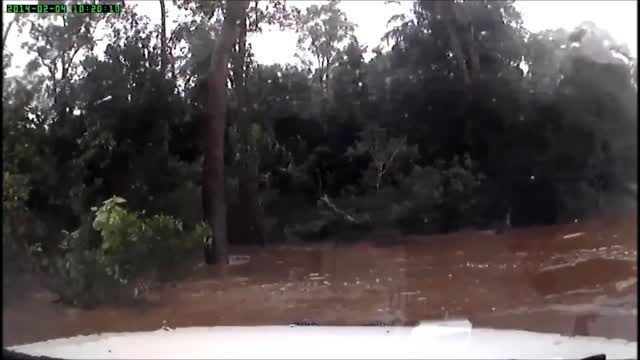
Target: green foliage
{"points": [[77, 275], [132, 245], [439, 198], [386, 155], [15, 192], [124, 239], [128, 246], [322, 32], [171, 245], [461, 181]]}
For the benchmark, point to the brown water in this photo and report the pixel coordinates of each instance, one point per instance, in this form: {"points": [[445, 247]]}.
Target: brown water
{"points": [[533, 279]]}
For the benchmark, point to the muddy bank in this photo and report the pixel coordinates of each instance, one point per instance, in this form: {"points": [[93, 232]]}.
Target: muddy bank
{"points": [[573, 279]]}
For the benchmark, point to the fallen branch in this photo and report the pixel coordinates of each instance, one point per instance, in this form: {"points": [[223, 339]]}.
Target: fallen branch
{"points": [[350, 218], [569, 236]]}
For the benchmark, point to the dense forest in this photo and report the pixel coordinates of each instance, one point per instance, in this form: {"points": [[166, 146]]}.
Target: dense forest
{"points": [[120, 163]]}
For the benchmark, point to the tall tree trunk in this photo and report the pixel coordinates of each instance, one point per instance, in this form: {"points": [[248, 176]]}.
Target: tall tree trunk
{"points": [[163, 38], [447, 12], [164, 59], [461, 14], [249, 200], [213, 179], [473, 52], [249, 179]]}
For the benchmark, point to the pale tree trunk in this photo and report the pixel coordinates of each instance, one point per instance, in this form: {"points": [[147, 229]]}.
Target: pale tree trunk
{"points": [[4, 41], [6, 31], [213, 179]]}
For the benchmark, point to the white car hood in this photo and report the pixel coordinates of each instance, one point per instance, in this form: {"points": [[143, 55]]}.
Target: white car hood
{"points": [[432, 340]]}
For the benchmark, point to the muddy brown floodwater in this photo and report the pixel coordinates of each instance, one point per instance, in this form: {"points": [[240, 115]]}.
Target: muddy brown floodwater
{"points": [[576, 279]]}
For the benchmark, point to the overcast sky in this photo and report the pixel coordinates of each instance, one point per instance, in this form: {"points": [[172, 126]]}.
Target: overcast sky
{"points": [[620, 18]]}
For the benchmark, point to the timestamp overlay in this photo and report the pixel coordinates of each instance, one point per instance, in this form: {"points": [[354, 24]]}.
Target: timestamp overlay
{"points": [[80, 8]]}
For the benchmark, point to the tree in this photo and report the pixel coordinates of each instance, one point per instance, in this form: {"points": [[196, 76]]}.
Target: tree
{"points": [[274, 13], [384, 152], [164, 59], [471, 45], [349, 92], [322, 30], [213, 180], [446, 11], [163, 37], [57, 44]]}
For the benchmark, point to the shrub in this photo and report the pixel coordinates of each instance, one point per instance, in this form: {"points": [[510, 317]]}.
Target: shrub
{"points": [[422, 195], [15, 191], [433, 196], [130, 247], [461, 183], [170, 245], [180, 201], [78, 277], [125, 239], [389, 155]]}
